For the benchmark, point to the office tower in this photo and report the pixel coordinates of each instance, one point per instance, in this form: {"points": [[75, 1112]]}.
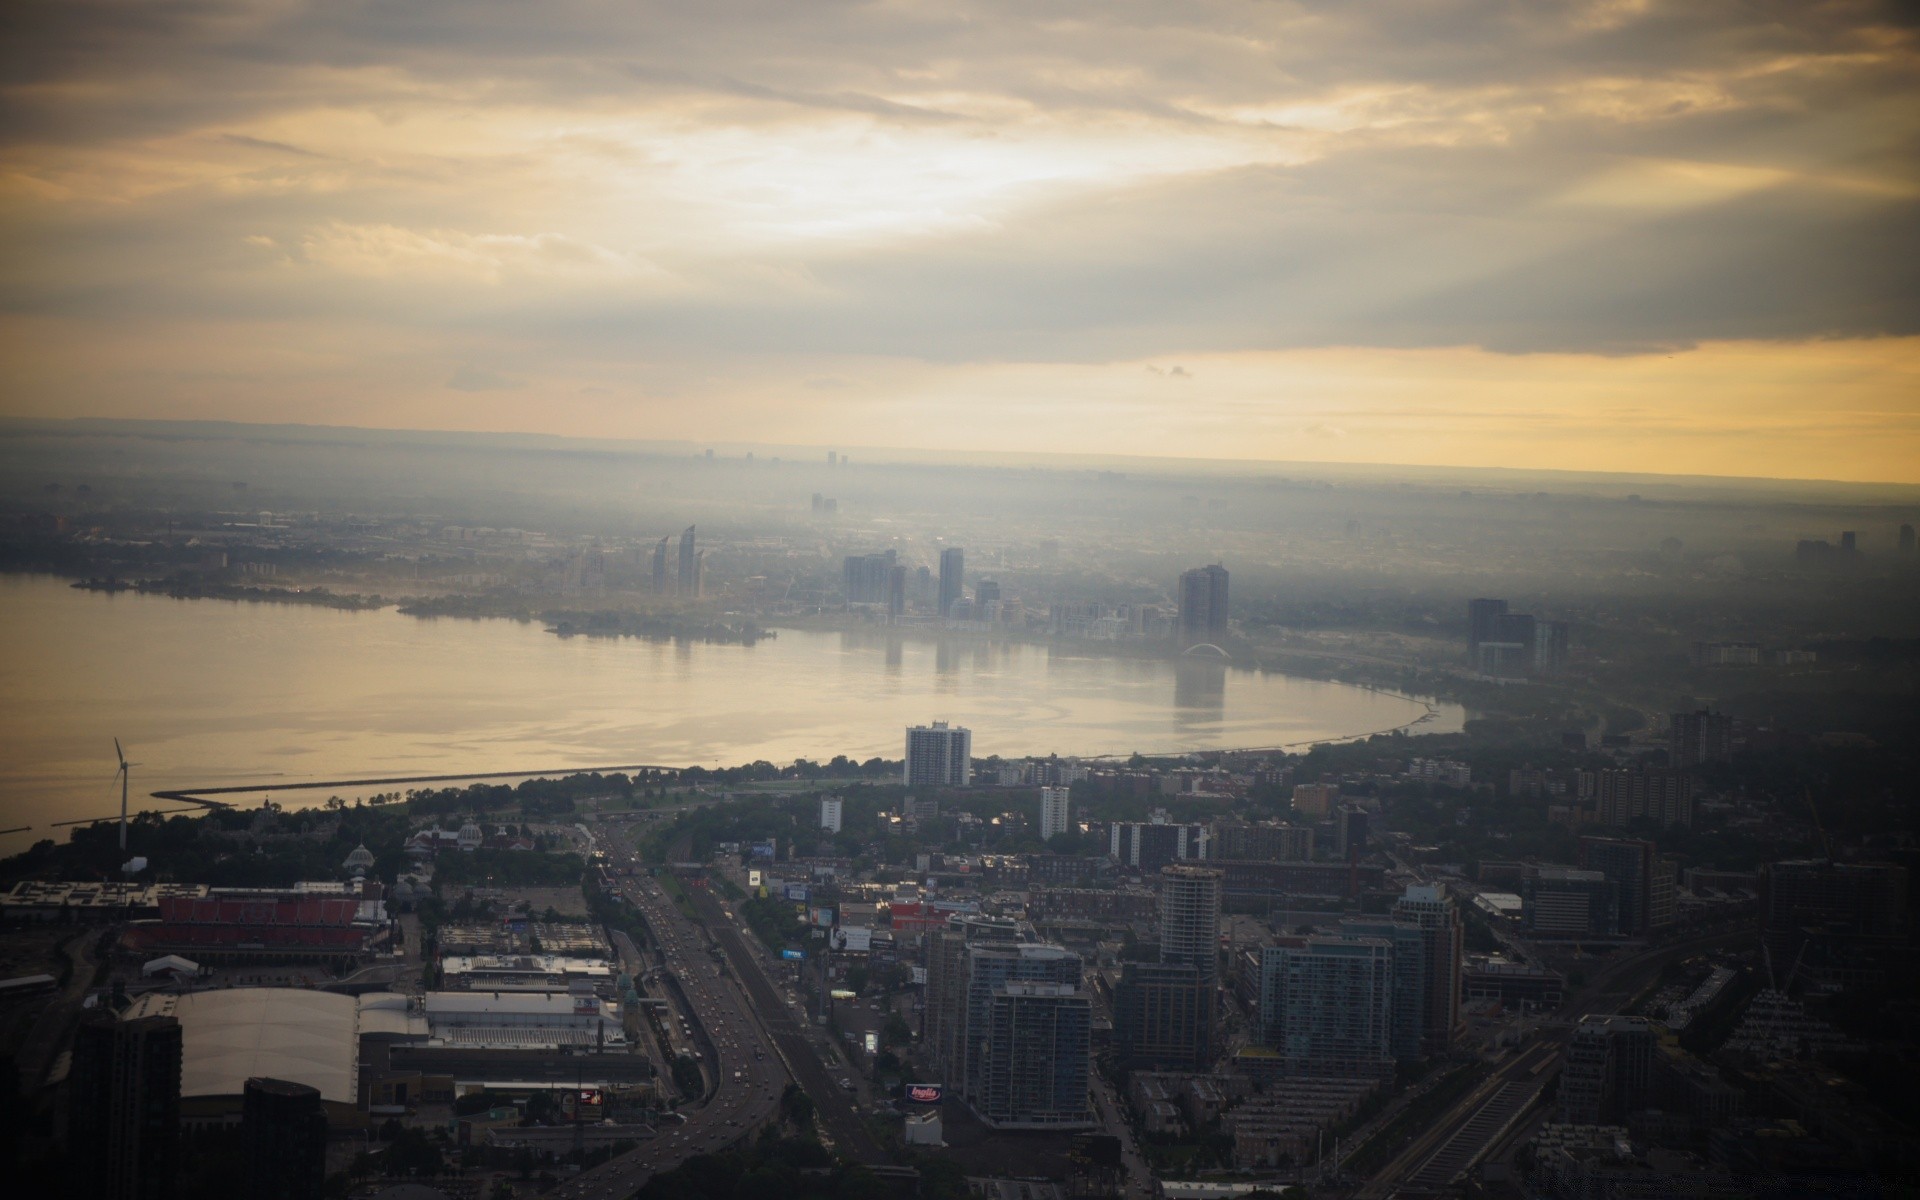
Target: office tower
{"points": [[1483, 625], [660, 566], [1608, 1070], [1350, 832], [830, 813], [1658, 794], [1907, 544], [124, 1124], [1831, 906], [1055, 813], [1409, 943], [285, 1130], [1550, 643], [1163, 1018], [1190, 918], [1849, 542], [1263, 842], [938, 756], [1569, 902], [953, 574], [1326, 1005], [1699, 737], [1038, 1058], [896, 591], [1151, 845], [1643, 881], [1203, 605], [1429, 907], [985, 593], [923, 592], [687, 581]]}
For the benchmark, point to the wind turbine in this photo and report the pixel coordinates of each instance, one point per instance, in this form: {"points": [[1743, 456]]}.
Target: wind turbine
{"points": [[124, 774]]}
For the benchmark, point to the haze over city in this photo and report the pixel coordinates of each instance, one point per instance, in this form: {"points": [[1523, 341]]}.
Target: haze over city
{"points": [[1132, 601]]}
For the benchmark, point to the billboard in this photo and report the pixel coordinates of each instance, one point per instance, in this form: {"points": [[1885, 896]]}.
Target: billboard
{"points": [[764, 850], [798, 892], [854, 938], [753, 879], [873, 1043], [925, 1093], [793, 955], [823, 917]]}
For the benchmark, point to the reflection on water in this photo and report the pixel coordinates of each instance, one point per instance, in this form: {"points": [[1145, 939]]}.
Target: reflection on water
{"points": [[210, 692]]}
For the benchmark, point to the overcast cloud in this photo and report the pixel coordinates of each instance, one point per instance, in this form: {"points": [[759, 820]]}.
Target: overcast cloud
{"points": [[633, 218]]}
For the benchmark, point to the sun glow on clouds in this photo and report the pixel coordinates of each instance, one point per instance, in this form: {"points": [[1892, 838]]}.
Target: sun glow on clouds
{"points": [[1288, 231]]}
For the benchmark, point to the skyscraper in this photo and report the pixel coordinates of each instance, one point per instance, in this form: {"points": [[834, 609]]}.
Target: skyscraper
{"points": [[124, 1124], [1203, 605], [1663, 795], [896, 592], [1408, 942], [660, 566], [953, 573], [1608, 1071], [687, 581], [1636, 872], [1429, 907], [1699, 737], [938, 756], [286, 1140], [1190, 918], [1483, 624], [1055, 812]]}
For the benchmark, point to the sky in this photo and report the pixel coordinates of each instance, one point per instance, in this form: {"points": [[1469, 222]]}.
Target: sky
{"points": [[1613, 235]]}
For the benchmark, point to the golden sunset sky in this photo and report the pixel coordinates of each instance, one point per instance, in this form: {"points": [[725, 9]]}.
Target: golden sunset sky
{"points": [[1670, 237]]}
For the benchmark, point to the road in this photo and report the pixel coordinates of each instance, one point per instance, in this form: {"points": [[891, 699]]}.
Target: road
{"points": [[748, 1077]]}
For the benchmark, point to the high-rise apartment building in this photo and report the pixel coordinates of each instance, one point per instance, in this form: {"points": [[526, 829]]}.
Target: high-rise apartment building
{"points": [[687, 579], [897, 591], [1506, 643], [1483, 624], [1037, 1060], [124, 1123], [866, 577], [1569, 902], [1429, 907], [1350, 831], [953, 578], [1699, 737], [1150, 845], [1190, 918], [1260, 842], [1409, 943], [1203, 604], [1008, 1025], [831, 813], [660, 566], [1056, 816], [938, 756], [1608, 1070], [285, 1129], [1326, 1005], [1663, 795], [1163, 1018], [1643, 881], [1832, 906]]}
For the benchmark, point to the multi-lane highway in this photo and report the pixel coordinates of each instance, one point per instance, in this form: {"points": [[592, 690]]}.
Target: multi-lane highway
{"points": [[747, 1075]]}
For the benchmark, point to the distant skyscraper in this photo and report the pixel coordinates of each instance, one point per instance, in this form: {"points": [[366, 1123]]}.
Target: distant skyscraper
{"points": [[896, 591], [1055, 814], [1483, 624], [286, 1140], [660, 566], [1350, 831], [124, 1124], [1660, 794], [1834, 905], [830, 813], [1429, 907], [687, 580], [1203, 604], [938, 756], [984, 593], [953, 572], [866, 576], [1569, 902], [1907, 544], [1643, 882], [1190, 918]]}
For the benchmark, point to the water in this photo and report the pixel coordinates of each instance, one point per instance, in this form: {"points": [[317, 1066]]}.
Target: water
{"points": [[208, 692]]}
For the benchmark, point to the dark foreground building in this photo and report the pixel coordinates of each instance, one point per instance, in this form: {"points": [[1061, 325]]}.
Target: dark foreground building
{"points": [[124, 1124], [286, 1135]]}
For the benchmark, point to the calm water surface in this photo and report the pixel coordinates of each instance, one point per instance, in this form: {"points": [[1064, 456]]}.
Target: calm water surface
{"points": [[207, 692]]}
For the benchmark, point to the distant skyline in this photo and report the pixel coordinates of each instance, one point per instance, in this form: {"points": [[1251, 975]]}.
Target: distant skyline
{"points": [[1673, 238]]}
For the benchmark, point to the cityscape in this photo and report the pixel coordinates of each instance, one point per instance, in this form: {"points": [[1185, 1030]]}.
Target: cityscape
{"points": [[1149, 601]]}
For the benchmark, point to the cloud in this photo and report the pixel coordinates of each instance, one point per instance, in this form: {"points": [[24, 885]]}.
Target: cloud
{"points": [[478, 379]]}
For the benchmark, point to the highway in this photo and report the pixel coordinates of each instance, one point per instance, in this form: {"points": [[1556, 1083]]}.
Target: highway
{"points": [[748, 1076]]}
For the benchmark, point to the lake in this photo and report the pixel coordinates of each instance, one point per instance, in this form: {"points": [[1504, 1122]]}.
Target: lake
{"points": [[213, 692]]}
